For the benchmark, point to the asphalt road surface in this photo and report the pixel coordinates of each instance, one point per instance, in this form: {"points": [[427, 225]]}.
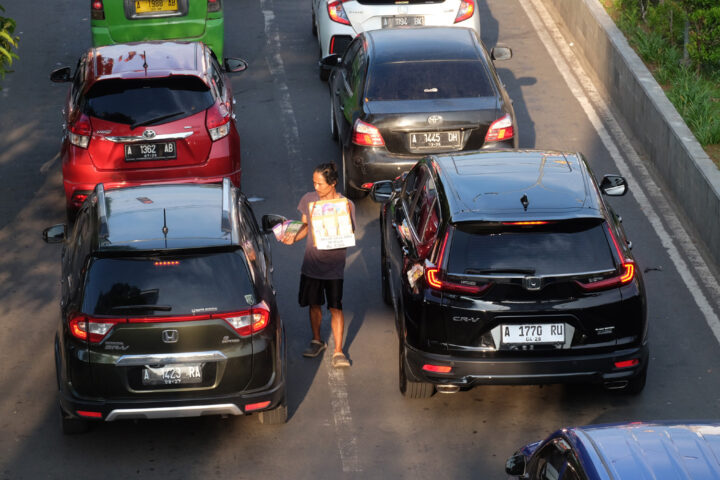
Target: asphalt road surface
{"points": [[343, 424]]}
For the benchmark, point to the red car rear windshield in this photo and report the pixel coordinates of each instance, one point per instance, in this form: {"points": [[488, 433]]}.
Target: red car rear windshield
{"points": [[147, 101]]}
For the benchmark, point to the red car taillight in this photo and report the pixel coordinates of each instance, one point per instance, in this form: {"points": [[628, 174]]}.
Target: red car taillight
{"points": [[466, 10], [94, 330], [79, 132], [434, 280], [250, 321], [501, 129], [214, 6], [336, 12], [366, 135], [217, 121], [626, 274], [97, 10]]}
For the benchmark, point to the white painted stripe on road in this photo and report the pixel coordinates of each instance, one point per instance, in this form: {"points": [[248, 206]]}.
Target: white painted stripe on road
{"points": [[342, 417], [555, 43]]}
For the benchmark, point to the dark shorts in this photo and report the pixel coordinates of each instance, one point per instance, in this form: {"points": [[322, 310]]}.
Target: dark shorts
{"points": [[314, 291]]}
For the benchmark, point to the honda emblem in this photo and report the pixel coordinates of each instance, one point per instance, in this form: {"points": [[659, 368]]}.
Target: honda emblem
{"points": [[532, 283], [170, 336]]}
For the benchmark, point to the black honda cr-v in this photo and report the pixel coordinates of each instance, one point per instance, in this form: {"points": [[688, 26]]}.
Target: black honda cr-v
{"points": [[507, 267], [167, 308]]}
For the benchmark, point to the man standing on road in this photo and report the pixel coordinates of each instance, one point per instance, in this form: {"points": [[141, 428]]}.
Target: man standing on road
{"points": [[322, 270]]}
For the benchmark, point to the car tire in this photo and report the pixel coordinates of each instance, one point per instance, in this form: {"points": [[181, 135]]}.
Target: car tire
{"points": [[314, 26], [637, 384], [72, 425], [333, 123], [348, 190], [276, 416], [409, 388], [324, 74]]}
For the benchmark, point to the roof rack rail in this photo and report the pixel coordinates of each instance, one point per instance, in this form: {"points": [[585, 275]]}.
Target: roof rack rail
{"points": [[103, 231], [225, 223]]}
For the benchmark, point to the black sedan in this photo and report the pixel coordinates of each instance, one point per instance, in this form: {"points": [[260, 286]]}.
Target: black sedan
{"points": [[399, 94]]}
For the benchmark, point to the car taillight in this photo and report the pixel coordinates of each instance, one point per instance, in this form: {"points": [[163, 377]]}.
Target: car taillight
{"points": [[97, 11], [366, 135], [434, 277], [214, 6], [627, 272], [92, 329], [78, 198], [250, 321], [501, 129], [80, 131], [466, 10], [217, 121], [336, 12]]}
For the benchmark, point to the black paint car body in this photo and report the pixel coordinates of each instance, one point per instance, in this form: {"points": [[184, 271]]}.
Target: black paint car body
{"points": [[507, 267], [400, 94], [167, 308]]}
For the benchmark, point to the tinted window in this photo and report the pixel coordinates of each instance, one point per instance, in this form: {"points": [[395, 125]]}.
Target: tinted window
{"points": [[429, 80], [559, 248], [196, 284], [136, 101]]}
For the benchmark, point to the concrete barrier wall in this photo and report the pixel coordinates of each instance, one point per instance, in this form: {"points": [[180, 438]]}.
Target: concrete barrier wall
{"points": [[667, 142]]}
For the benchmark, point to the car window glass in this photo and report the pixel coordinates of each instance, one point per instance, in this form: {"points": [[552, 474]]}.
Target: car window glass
{"points": [[217, 77], [135, 101], [429, 80], [414, 201], [357, 72], [350, 54], [189, 284], [556, 248], [77, 82]]}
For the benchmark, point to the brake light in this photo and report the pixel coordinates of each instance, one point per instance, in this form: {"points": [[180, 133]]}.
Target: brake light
{"points": [[78, 199], [166, 263], [626, 275], [217, 121], [627, 363], [80, 131], [92, 329], [336, 12], [214, 6], [89, 414], [437, 368], [501, 129], [366, 135], [257, 406], [250, 321], [466, 10], [433, 277], [539, 222], [97, 11]]}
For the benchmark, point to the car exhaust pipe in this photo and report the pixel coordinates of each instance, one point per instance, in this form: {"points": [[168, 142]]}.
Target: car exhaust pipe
{"points": [[616, 385], [447, 388]]}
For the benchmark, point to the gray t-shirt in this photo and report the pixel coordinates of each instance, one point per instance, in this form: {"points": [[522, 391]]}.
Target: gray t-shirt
{"points": [[322, 264]]}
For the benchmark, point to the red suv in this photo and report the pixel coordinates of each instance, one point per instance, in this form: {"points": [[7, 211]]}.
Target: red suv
{"points": [[150, 112]]}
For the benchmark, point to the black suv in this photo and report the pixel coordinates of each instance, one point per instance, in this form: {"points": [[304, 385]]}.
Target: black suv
{"points": [[506, 267], [167, 308]]}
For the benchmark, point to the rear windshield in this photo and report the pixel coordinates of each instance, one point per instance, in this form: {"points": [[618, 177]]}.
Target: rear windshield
{"points": [[558, 248], [147, 101], [161, 286], [429, 80]]}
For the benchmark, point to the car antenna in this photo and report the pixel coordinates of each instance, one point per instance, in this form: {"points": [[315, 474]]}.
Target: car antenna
{"points": [[525, 202], [165, 229]]}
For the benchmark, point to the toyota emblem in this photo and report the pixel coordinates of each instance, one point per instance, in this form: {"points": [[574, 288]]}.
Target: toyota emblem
{"points": [[434, 120], [170, 336], [149, 134]]}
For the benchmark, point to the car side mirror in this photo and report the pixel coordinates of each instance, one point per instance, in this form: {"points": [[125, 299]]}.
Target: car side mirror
{"points": [[55, 234], [382, 191], [235, 65], [614, 185], [61, 75], [515, 465], [269, 221], [330, 61], [501, 52]]}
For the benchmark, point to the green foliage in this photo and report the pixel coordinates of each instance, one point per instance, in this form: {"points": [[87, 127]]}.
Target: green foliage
{"points": [[704, 45], [7, 43], [696, 100]]}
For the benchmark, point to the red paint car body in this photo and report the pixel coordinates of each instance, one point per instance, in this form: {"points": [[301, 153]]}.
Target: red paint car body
{"points": [[152, 112]]}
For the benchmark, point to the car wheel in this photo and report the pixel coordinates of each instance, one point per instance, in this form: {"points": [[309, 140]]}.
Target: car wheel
{"points": [[72, 425], [333, 123], [636, 385], [276, 416], [348, 190], [409, 388], [324, 74]]}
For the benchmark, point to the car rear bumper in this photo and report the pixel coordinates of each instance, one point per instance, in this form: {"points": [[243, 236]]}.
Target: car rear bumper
{"points": [[369, 164], [543, 369]]}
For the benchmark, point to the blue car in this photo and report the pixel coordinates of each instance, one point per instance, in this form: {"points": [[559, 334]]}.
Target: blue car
{"points": [[637, 450]]}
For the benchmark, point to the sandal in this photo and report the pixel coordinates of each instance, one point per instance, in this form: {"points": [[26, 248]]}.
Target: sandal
{"points": [[316, 346], [339, 360]]}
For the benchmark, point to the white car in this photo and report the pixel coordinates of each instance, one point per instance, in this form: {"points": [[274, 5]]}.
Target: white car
{"points": [[336, 22]]}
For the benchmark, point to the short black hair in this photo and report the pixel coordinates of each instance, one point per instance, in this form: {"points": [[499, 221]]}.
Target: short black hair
{"points": [[329, 172]]}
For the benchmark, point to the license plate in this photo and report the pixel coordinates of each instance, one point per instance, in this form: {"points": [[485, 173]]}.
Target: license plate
{"points": [[534, 333], [174, 374], [150, 151], [435, 140], [150, 6], [403, 21]]}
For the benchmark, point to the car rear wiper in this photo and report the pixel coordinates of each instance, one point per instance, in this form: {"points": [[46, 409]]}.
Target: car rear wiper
{"points": [[160, 308], [154, 120], [475, 271]]}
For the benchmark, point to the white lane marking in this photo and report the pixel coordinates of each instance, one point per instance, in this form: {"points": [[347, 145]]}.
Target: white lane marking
{"points": [[659, 202], [342, 417]]}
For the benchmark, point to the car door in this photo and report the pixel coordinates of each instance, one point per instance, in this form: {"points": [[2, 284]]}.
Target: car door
{"points": [[349, 84]]}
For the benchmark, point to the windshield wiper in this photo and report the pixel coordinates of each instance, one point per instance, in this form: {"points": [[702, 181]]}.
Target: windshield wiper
{"points": [[159, 308], [475, 271], [154, 120]]}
